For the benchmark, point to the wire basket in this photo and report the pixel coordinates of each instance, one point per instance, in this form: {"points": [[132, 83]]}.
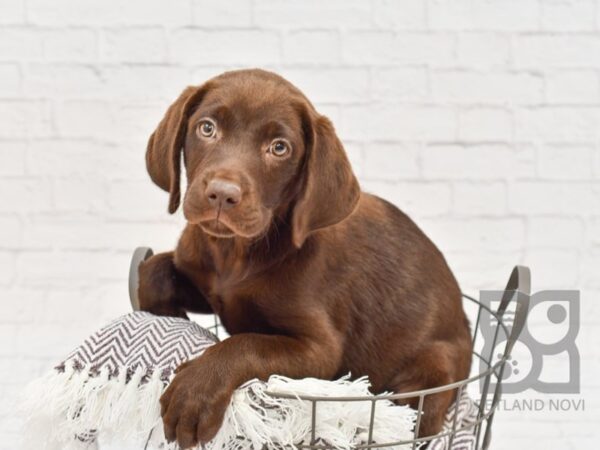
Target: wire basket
{"points": [[484, 384]]}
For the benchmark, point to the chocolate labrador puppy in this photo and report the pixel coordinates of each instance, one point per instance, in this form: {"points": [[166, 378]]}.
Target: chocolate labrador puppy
{"points": [[309, 275]]}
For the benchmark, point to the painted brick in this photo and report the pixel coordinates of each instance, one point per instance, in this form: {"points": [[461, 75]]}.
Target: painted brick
{"points": [[486, 124], [478, 87], [573, 87], [215, 13], [404, 84], [241, 47], [480, 198], [331, 85], [147, 45], [313, 47], [12, 12]]}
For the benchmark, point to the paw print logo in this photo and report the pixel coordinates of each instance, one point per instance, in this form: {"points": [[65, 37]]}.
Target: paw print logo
{"points": [[511, 367], [547, 337]]}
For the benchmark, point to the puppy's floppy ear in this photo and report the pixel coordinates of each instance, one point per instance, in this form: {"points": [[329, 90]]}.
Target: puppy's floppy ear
{"points": [[330, 190], [163, 154]]}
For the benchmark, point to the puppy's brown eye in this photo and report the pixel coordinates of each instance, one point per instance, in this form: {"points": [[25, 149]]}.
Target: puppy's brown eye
{"points": [[280, 148], [206, 129]]}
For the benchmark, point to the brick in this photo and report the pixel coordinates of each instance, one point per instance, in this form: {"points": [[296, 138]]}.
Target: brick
{"points": [[161, 235], [24, 118], [538, 197], [130, 45], [11, 236], [467, 263], [66, 232], [500, 15], [479, 198], [26, 305], [554, 232], [331, 85], [557, 124], [7, 273], [593, 231], [400, 84], [70, 45], [137, 199], [387, 122], [298, 13], [483, 49], [15, 370], [20, 44], [87, 118], [25, 194], [12, 12], [474, 87], [100, 12], [12, 157], [8, 333], [68, 268], [144, 83], [58, 340], [561, 15], [545, 261], [80, 195], [412, 15], [215, 14], [237, 47], [65, 80], [486, 124], [69, 157], [368, 47], [565, 163], [477, 235], [77, 231], [535, 51], [385, 161], [11, 81], [578, 87], [450, 14], [590, 262], [385, 48], [311, 47], [483, 162]]}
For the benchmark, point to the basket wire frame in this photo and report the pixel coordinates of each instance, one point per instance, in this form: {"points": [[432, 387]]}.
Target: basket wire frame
{"points": [[517, 291]]}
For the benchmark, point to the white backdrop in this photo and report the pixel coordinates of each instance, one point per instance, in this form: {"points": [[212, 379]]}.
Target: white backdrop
{"points": [[479, 118]]}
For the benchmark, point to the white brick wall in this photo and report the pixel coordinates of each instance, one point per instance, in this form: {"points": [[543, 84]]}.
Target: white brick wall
{"points": [[480, 118]]}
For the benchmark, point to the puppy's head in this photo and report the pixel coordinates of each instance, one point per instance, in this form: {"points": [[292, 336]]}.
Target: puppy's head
{"points": [[254, 148]]}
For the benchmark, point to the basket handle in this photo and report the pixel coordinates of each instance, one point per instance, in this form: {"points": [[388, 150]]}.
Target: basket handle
{"points": [[519, 289], [140, 255]]}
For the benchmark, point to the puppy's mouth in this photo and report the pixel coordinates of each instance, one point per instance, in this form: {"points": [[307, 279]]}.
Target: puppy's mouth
{"points": [[216, 227], [223, 226], [245, 223]]}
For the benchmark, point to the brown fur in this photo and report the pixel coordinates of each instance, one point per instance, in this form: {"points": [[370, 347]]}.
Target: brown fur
{"points": [[310, 276]]}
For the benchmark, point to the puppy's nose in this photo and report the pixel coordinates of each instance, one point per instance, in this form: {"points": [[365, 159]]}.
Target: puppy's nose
{"points": [[223, 194]]}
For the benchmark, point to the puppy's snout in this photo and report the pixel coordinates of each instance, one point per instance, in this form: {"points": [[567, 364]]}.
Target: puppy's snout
{"points": [[223, 194]]}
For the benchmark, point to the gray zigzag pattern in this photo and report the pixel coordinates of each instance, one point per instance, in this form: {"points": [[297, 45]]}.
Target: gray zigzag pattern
{"points": [[141, 340]]}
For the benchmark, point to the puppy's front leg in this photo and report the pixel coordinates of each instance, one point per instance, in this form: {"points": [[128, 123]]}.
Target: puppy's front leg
{"points": [[194, 404], [165, 291]]}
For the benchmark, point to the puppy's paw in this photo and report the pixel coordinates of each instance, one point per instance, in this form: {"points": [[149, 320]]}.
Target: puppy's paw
{"points": [[194, 405]]}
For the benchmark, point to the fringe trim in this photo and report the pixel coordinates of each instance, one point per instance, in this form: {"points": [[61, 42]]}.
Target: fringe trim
{"points": [[71, 409]]}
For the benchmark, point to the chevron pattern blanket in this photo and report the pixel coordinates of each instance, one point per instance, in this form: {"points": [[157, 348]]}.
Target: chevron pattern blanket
{"points": [[107, 391]]}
